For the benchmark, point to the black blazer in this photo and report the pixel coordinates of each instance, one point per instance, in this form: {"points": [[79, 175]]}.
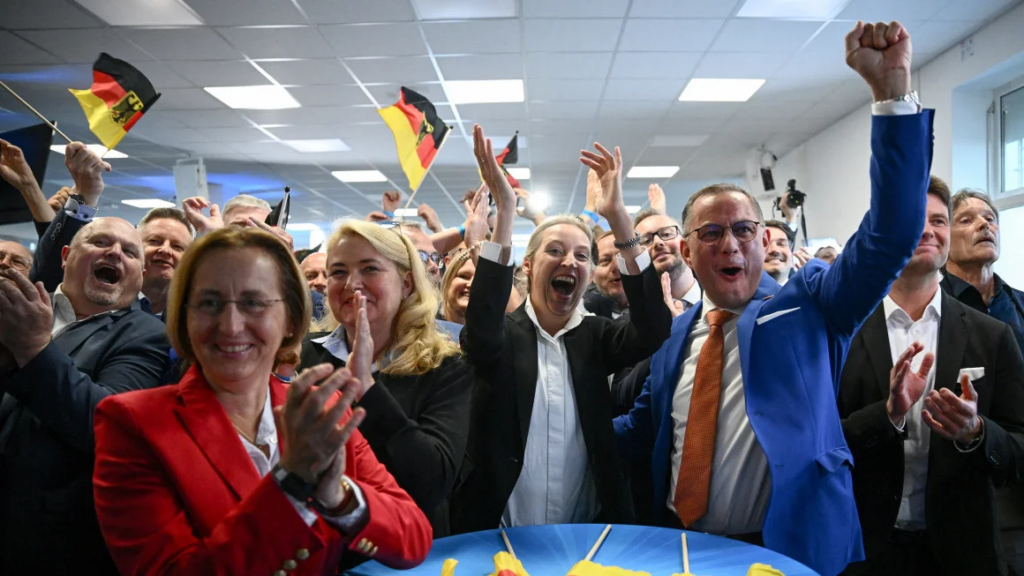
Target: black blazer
{"points": [[416, 426], [46, 263], [47, 521], [959, 499], [503, 352]]}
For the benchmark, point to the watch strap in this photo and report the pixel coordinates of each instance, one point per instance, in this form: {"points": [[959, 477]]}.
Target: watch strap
{"points": [[634, 241]]}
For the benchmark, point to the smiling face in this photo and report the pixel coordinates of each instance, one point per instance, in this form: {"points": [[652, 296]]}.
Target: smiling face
{"points": [[729, 270], [234, 348], [164, 241], [779, 259], [606, 275], [103, 267], [353, 264], [667, 256], [559, 271], [933, 248], [457, 295], [424, 245], [974, 234], [314, 269]]}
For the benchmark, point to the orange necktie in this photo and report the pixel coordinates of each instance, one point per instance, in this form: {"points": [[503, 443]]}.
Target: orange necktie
{"points": [[691, 497]]}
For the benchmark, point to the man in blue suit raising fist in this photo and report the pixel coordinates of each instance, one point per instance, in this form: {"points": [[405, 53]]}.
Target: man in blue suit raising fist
{"points": [[739, 413]]}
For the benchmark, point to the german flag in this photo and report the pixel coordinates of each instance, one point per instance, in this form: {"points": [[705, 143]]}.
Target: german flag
{"points": [[419, 133], [510, 155], [119, 96]]}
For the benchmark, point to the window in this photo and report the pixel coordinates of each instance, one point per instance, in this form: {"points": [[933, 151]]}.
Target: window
{"points": [[1008, 176]]}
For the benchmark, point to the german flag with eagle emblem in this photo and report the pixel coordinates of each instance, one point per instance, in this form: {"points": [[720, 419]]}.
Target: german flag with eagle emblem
{"points": [[118, 98], [419, 133]]}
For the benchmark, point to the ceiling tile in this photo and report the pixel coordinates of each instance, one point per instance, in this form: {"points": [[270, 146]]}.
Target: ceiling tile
{"points": [[682, 8], [318, 115], [570, 35], [188, 99], [473, 37], [246, 12], [42, 14], [564, 89], [483, 112], [975, 10], [161, 75], [619, 109], [704, 109], [483, 67], [358, 11], [84, 45], [182, 43], [761, 35], [309, 132], [171, 136], [329, 95], [654, 64], [574, 8], [291, 42], [668, 35], [375, 70], [937, 36], [646, 89], [568, 65], [887, 10], [219, 73], [388, 94], [319, 71], [559, 110], [351, 41], [234, 135], [226, 118], [17, 51], [740, 65]]}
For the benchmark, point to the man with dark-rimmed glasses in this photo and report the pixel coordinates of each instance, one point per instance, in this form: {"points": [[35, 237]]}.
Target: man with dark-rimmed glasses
{"points": [[662, 237], [745, 387], [14, 255]]}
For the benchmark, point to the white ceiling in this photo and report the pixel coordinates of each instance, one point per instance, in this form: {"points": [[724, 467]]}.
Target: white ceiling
{"points": [[609, 70]]}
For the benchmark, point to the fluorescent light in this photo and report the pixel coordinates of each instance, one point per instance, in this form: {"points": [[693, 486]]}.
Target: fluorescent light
{"points": [[484, 91], [652, 171], [464, 9], [519, 173], [95, 148], [538, 201], [268, 97], [148, 13], [686, 141], [720, 90], [321, 145], [633, 208], [407, 212], [805, 9], [148, 203], [359, 176]]}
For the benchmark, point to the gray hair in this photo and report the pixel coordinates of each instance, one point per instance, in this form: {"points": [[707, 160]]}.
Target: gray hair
{"points": [[714, 190], [246, 201], [965, 194]]}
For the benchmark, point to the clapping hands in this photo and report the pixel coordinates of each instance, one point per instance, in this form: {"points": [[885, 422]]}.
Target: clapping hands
{"points": [[360, 359], [608, 169]]}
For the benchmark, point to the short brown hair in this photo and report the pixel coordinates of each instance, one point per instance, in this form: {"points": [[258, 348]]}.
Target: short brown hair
{"points": [[644, 215], [714, 190], [166, 214], [780, 225], [965, 194], [294, 289], [937, 187]]}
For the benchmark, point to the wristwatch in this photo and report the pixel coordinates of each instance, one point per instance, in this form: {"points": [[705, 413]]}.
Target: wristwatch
{"points": [[908, 97], [634, 241], [293, 485]]}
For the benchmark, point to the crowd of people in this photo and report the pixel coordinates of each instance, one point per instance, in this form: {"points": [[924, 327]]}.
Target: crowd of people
{"points": [[190, 395]]}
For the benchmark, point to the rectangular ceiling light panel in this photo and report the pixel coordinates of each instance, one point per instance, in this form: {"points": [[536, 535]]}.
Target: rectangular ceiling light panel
{"points": [[720, 90], [652, 171], [484, 91], [269, 97]]}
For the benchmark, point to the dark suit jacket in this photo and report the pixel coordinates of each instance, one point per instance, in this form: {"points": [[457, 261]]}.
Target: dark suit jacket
{"points": [[503, 352], [960, 506], [417, 427], [46, 263], [47, 521]]}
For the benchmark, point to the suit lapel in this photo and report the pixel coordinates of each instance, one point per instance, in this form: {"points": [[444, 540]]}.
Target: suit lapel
{"points": [[953, 331], [524, 350], [875, 336], [72, 338], [204, 418]]}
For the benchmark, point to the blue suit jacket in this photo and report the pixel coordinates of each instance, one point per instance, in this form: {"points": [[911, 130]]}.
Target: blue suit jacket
{"points": [[793, 341]]}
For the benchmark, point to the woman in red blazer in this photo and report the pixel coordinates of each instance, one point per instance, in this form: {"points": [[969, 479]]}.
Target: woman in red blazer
{"points": [[231, 471]]}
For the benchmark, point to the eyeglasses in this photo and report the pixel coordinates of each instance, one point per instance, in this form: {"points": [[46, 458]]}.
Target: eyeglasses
{"points": [[15, 261], [248, 306], [667, 233], [710, 234], [430, 257]]}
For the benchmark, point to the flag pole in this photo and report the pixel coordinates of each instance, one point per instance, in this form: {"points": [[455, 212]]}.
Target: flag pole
{"points": [[508, 545], [598, 543], [439, 147], [36, 112]]}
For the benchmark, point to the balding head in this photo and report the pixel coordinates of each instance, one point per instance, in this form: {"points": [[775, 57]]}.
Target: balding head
{"points": [[14, 255], [103, 267]]}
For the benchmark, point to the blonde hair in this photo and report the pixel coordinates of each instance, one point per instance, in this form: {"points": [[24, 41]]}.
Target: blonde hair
{"points": [[294, 291], [418, 345], [450, 274], [535, 238]]}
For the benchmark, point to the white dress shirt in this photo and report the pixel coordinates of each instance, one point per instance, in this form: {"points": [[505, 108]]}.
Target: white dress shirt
{"points": [[64, 316], [692, 296], [266, 435], [740, 484], [903, 332], [556, 485]]}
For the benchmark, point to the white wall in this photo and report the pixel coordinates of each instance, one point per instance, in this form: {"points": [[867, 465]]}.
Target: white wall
{"points": [[832, 167]]}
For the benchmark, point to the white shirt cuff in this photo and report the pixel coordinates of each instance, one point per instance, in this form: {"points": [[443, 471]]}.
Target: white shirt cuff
{"points": [[349, 522], [901, 426], [642, 262], [492, 251], [78, 211], [307, 515], [899, 108]]}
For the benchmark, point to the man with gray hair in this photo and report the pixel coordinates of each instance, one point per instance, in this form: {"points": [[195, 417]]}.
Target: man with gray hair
{"points": [[242, 210], [60, 355]]}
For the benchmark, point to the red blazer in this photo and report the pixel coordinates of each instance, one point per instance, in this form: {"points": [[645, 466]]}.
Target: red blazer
{"points": [[176, 493]]}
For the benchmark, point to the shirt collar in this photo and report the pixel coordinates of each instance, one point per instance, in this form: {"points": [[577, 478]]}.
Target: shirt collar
{"points": [[709, 306], [694, 294], [934, 307], [957, 283], [575, 320], [335, 344], [267, 431], [62, 306]]}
